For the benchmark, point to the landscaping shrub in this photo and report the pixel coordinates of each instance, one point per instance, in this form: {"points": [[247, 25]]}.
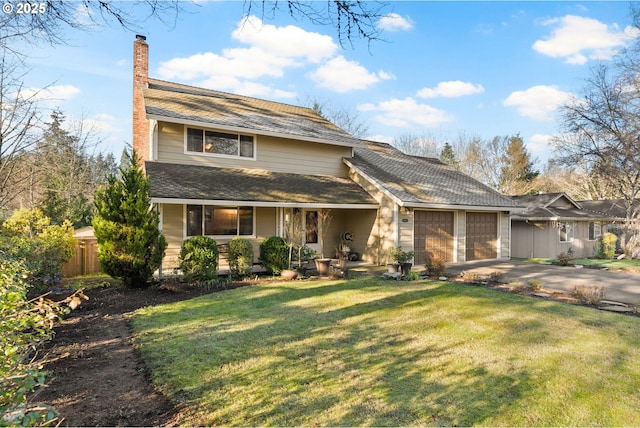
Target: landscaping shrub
{"points": [[564, 259], [240, 257], [605, 246], [199, 259], [29, 236], [26, 325], [436, 265], [274, 254], [496, 276], [534, 285], [590, 294]]}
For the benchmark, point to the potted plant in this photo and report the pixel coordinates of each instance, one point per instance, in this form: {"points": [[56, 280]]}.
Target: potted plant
{"points": [[401, 260], [305, 255]]}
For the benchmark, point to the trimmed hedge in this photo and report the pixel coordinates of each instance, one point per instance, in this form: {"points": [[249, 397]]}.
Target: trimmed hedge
{"points": [[199, 258], [240, 257], [274, 254]]}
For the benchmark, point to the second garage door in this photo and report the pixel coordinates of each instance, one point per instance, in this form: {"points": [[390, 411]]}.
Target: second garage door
{"points": [[433, 235], [482, 236]]}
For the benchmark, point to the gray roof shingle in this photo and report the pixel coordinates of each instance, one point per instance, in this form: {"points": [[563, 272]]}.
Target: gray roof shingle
{"points": [[178, 181], [418, 180], [542, 206], [221, 109]]}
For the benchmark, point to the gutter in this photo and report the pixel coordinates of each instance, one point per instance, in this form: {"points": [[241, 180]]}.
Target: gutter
{"points": [[261, 203]]}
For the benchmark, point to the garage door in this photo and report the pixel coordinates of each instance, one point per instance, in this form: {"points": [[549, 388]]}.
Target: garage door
{"points": [[482, 236], [433, 235]]}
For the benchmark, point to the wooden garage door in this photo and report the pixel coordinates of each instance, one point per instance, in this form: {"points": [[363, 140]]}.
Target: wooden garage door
{"points": [[482, 236], [433, 235]]}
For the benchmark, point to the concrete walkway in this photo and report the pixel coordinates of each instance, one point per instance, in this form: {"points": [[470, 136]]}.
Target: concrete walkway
{"points": [[620, 286]]}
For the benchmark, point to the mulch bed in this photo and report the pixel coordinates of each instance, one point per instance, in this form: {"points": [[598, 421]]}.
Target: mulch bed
{"points": [[95, 375]]}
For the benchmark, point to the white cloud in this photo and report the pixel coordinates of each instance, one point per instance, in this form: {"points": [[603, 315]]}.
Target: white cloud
{"points": [[51, 94], [287, 42], [451, 89], [272, 50], [342, 75], [395, 22], [579, 39], [538, 102], [406, 112], [539, 143]]}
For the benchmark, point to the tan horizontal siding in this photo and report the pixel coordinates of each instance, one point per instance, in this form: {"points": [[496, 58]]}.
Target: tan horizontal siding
{"points": [[272, 154]]}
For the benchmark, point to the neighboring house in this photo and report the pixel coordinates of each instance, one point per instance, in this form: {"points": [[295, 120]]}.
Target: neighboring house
{"points": [[553, 222], [227, 165]]}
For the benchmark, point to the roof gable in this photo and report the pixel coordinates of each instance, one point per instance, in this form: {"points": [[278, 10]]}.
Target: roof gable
{"points": [[555, 206], [547, 200], [197, 106], [419, 181]]}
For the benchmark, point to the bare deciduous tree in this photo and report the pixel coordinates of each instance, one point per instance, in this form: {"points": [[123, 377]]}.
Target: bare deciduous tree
{"points": [[19, 130], [418, 145], [47, 21], [602, 132], [351, 19], [341, 117]]}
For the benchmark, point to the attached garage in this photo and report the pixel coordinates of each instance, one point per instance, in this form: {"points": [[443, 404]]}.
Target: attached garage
{"points": [[482, 236], [433, 235]]}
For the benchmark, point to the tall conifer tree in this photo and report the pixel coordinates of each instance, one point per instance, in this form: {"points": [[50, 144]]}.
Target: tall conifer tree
{"points": [[131, 245]]}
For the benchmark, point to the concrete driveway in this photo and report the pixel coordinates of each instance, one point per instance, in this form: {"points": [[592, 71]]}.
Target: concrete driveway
{"points": [[621, 287]]}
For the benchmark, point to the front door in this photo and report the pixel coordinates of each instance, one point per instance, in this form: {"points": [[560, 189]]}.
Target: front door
{"points": [[312, 230]]}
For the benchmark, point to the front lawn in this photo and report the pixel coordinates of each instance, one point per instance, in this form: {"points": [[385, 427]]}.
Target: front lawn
{"points": [[370, 352]]}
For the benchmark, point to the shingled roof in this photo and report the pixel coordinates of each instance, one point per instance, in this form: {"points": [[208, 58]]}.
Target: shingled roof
{"points": [[422, 182], [559, 206], [202, 183], [177, 102]]}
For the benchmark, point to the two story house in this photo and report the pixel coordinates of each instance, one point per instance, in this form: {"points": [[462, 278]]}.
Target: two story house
{"points": [[226, 165]]}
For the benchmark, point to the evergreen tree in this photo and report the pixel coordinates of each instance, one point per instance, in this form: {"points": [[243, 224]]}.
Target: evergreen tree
{"points": [[130, 242], [65, 177], [518, 170], [448, 156]]}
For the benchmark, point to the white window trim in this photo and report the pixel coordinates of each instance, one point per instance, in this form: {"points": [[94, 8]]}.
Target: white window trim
{"points": [[185, 222], [218, 155]]}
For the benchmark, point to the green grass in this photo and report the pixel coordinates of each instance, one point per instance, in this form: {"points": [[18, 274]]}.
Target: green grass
{"points": [[375, 353]]}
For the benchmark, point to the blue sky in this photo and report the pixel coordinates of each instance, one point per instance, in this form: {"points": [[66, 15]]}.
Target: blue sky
{"points": [[444, 68]]}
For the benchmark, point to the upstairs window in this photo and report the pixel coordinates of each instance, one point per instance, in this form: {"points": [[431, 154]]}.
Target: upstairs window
{"points": [[220, 143]]}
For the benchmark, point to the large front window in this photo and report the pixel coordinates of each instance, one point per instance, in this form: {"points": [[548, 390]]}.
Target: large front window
{"points": [[219, 221], [219, 143]]}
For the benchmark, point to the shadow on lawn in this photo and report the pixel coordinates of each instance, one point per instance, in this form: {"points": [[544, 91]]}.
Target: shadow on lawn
{"points": [[279, 355]]}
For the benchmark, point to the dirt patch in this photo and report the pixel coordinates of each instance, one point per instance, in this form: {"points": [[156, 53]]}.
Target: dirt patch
{"points": [[95, 375]]}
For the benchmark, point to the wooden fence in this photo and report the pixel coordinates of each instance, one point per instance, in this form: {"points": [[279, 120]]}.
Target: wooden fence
{"points": [[84, 261]]}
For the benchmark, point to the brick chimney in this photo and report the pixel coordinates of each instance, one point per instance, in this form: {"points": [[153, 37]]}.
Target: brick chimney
{"points": [[140, 82]]}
